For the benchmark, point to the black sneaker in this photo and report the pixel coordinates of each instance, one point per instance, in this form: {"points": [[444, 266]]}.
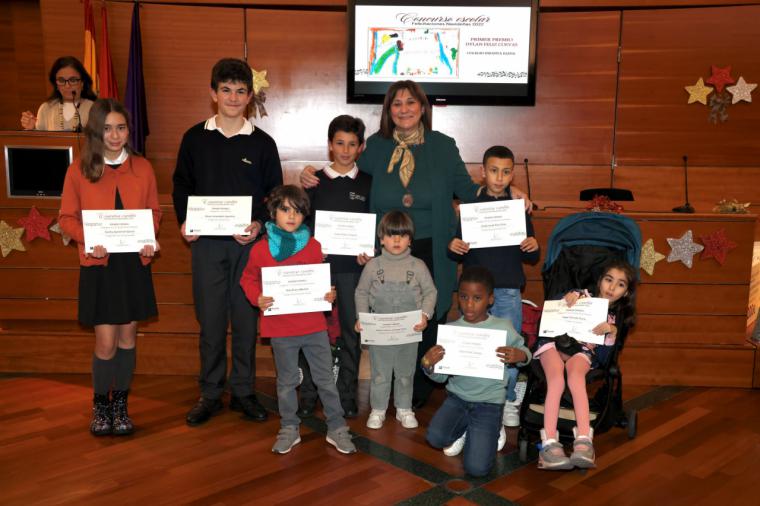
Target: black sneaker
{"points": [[250, 407], [203, 410]]}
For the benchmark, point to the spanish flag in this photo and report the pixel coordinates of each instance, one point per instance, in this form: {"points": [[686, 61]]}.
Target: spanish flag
{"points": [[90, 60], [108, 87]]}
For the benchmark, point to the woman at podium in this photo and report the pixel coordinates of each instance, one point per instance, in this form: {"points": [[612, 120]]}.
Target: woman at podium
{"points": [[68, 107]]}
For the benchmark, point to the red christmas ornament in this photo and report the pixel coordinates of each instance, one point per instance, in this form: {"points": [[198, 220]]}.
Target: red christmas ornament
{"points": [[720, 77], [717, 246], [35, 225]]}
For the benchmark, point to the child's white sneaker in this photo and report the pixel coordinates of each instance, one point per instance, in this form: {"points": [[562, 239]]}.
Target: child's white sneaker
{"points": [[376, 419], [502, 439], [407, 418], [456, 447], [511, 415]]}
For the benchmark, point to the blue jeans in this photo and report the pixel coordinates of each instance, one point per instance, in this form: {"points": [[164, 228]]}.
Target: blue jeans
{"points": [[481, 421], [507, 303], [512, 372]]}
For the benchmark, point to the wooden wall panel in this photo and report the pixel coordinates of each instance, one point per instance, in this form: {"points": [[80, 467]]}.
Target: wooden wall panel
{"points": [[673, 365], [665, 50], [306, 71], [572, 122], [180, 46], [21, 64]]}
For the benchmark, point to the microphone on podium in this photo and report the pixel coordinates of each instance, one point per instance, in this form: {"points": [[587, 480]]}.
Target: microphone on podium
{"points": [[78, 128], [686, 208]]}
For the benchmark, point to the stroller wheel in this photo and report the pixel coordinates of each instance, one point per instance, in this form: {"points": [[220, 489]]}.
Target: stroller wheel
{"points": [[523, 450], [633, 418]]}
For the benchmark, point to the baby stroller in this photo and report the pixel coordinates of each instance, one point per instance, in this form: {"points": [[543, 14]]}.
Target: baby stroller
{"points": [[577, 249]]}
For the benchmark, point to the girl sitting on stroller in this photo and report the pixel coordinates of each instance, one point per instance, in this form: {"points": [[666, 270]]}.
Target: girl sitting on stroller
{"points": [[618, 285]]}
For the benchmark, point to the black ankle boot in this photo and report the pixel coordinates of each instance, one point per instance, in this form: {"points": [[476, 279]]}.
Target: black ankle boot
{"points": [[101, 415], [122, 425]]}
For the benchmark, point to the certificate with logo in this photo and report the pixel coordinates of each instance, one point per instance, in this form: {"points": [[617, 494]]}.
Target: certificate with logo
{"points": [[218, 215], [576, 321], [296, 288], [471, 351], [118, 231], [390, 328], [492, 224], [342, 233]]}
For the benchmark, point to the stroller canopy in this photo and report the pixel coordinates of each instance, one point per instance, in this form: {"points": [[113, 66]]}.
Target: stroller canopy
{"points": [[580, 243]]}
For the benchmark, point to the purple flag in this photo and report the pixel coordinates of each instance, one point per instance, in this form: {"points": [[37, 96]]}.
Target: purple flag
{"points": [[134, 100]]}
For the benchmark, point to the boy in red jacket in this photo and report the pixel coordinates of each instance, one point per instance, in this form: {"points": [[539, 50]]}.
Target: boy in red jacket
{"points": [[289, 242]]}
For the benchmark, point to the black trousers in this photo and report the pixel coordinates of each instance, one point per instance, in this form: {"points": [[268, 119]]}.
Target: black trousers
{"points": [[220, 301], [349, 348]]}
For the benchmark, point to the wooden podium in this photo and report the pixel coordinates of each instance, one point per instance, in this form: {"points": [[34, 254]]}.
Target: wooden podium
{"points": [[32, 139]]}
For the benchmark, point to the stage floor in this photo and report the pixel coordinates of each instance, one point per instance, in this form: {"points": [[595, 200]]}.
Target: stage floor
{"points": [[694, 446]]}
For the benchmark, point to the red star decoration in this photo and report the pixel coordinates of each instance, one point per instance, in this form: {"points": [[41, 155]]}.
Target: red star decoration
{"points": [[720, 77], [35, 225], [717, 246]]}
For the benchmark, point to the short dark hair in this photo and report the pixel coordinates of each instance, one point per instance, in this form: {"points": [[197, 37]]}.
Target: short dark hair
{"points": [[478, 274], [498, 152], [395, 223], [386, 122], [70, 61], [233, 70], [293, 194], [348, 124]]}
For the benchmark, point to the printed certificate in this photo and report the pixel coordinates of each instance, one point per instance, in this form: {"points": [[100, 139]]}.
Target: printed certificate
{"points": [[471, 351], [491, 224], [342, 233], [390, 328], [218, 215], [118, 231], [296, 288], [576, 321]]}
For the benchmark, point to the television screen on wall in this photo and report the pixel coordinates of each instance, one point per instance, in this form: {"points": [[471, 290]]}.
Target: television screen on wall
{"points": [[475, 52]]}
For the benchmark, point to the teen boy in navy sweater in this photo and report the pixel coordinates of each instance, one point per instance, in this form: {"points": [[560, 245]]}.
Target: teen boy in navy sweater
{"points": [[225, 156]]}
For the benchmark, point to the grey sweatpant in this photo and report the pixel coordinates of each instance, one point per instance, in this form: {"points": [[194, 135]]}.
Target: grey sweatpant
{"points": [[316, 349], [399, 360]]}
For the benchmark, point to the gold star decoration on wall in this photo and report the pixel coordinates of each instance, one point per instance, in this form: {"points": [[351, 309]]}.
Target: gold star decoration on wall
{"points": [[698, 92]]}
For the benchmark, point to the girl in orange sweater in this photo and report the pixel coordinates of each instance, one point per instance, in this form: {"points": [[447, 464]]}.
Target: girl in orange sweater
{"points": [[115, 290]]}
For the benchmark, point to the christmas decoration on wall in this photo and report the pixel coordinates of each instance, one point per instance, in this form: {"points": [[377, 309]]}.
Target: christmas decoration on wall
{"points": [[649, 257], [603, 204], [698, 92], [259, 95], [720, 77], [683, 249], [36, 225], [10, 238], [56, 227], [721, 95], [717, 246], [732, 206], [741, 91]]}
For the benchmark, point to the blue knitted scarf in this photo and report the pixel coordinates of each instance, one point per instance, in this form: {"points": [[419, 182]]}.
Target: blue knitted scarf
{"points": [[284, 244]]}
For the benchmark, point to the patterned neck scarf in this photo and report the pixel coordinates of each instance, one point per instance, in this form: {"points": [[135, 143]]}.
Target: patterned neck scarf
{"points": [[403, 153], [284, 244]]}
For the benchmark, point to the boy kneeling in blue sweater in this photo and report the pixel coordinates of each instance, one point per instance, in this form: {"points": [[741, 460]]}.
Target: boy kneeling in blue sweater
{"points": [[474, 405]]}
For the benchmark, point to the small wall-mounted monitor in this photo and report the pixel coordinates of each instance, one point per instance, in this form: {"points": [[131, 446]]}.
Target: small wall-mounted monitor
{"points": [[36, 171], [469, 52]]}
